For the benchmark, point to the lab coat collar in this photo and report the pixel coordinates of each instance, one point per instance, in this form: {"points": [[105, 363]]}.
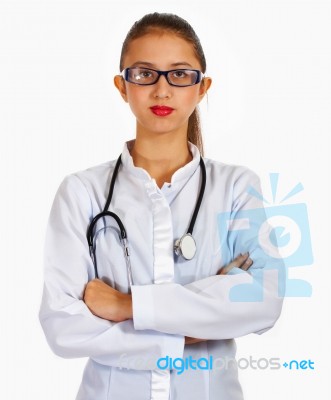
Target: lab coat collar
{"points": [[181, 174]]}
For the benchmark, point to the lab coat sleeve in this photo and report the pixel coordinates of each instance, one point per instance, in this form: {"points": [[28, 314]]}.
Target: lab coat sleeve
{"points": [[222, 306], [70, 328]]}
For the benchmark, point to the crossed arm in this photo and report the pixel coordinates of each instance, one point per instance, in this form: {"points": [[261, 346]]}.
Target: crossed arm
{"points": [[110, 304], [94, 320]]}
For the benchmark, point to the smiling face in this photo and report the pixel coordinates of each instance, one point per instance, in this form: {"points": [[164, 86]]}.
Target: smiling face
{"points": [[161, 51]]}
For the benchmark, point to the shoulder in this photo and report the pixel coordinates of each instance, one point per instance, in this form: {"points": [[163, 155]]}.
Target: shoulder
{"points": [[91, 176], [234, 173], [88, 186], [238, 182], [94, 174]]}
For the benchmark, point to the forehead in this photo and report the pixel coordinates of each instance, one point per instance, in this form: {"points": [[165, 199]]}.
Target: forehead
{"points": [[161, 49]]}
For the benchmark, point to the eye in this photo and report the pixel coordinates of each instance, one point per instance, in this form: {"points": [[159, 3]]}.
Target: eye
{"points": [[145, 73], [179, 74], [142, 74]]}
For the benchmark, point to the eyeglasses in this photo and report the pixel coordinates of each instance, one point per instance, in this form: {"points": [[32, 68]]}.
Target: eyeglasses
{"points": [[175, 77]]}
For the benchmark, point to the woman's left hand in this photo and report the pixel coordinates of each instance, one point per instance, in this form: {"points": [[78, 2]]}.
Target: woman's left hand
{"points": [[243, 262], [107, 302]]}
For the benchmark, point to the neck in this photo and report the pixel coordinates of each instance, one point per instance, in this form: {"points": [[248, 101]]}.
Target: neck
{"points": [[160, 155]]}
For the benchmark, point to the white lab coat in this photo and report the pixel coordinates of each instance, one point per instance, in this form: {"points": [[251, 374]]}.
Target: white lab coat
{"points": [[171, 297]]}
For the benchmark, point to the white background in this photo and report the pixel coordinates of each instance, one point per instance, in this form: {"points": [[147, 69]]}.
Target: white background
{"points": [[268, 109]]}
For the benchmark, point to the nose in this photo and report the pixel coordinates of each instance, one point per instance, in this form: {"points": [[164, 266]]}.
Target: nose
{"points": [[162, 89]]}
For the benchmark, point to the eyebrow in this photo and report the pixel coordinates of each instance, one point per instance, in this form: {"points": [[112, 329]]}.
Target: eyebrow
{"points": [[151, 65]]}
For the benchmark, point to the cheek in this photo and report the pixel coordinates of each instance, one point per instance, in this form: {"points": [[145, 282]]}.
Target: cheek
{"points": [[136, 97], [190, 97], [136, 92], [138, 100]]}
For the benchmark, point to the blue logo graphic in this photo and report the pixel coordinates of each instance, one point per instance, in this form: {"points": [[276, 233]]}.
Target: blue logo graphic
{"points": [[276, 237]]}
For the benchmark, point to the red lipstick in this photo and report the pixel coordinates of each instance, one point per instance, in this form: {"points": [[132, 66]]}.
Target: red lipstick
{"points": [[161, 111]]}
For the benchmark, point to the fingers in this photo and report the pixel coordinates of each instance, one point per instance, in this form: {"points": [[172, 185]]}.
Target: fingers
{"points": [[190, 340], [248, 263], [242, 261]]}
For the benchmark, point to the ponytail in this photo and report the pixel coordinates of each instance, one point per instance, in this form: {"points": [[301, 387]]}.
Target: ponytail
{"points": [[194, 130]]}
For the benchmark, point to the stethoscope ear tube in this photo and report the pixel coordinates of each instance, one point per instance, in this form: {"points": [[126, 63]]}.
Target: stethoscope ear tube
{"points": [[90, 230], [90, 235], [200, 197]]}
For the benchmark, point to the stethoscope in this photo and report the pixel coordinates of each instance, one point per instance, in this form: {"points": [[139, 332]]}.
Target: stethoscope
{"points": [[184, 247]]}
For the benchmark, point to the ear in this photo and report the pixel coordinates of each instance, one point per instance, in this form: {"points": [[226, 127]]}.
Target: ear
{"points": [[120, 85], [204, 87]]}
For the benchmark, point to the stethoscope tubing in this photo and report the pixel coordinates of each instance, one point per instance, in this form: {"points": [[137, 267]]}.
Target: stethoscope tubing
{"points": [[123, 234]]}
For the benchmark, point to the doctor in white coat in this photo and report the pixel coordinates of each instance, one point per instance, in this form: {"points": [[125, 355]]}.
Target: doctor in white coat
{"points": [[166, 335]]}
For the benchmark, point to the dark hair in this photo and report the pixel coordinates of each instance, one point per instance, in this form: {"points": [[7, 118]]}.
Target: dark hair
{"points": [[172, 23]]}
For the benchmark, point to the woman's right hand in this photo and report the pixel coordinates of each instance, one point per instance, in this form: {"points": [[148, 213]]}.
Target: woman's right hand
{"points": [[242, 261]]}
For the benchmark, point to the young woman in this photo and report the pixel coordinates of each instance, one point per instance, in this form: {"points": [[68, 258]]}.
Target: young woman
{"points": [[155, 281]]}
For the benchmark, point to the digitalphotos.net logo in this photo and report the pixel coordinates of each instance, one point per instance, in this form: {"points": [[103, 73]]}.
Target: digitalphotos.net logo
{"points": [[284, 239], [180, 365]]}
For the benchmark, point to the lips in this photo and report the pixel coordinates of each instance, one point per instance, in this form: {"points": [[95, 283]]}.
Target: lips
{"points": [[161, 111]]}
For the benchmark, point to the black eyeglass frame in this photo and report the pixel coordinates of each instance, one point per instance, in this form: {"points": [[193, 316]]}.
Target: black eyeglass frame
{"points": [[126, 71]]}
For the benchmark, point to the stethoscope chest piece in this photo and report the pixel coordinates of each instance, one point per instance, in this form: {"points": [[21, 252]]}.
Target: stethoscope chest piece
{"points": [[185, 246]]}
